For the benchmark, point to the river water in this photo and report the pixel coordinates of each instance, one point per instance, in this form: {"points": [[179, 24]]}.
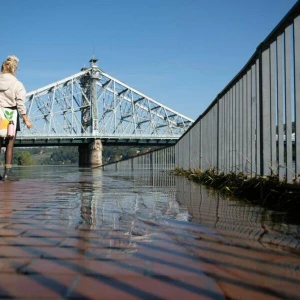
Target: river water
{"points": [[244, 248]]}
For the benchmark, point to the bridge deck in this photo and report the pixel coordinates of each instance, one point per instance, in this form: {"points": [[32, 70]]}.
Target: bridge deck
{"points": [[77, 141]]}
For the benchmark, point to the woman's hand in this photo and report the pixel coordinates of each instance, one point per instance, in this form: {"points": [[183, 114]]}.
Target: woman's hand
{"points": [[27, 121], [28, 124]]}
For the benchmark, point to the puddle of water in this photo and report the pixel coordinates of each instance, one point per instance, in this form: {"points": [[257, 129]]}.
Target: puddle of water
{"points": [[92, 198], [171, 229]]}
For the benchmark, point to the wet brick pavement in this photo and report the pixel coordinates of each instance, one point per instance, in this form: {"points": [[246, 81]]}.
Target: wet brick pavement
{"points": [[43, 255]]}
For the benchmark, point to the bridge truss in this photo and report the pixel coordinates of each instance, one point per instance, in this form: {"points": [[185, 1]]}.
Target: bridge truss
{"points": [[92, 104]]}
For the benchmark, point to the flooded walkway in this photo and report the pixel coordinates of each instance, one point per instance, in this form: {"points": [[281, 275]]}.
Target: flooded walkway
{"points": [[76, 233]]}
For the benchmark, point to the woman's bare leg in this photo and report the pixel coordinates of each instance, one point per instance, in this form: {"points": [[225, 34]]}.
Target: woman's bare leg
{"points": [[9, 150], [9, 143]]}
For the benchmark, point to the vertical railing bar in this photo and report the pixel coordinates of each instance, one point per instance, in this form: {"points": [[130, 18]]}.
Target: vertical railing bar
{"points": [[244, 124], [241, 152], [203, 138], [266, 149], [190, 149], [233, 128], [223, 133], [209, 125], [280, 133], [168, 152], [288, 102], [151, 159], [226, 132], [249, 140], [273, 108], [259, 162], [224, 136], [180, 165], [238, 127], [176, 154], [209, 150], [207, 138], [218, 132], [246, 116], [200, 145], [213, 136], [297, 91], [169, 158], [253, 119], [221, 130], [209, 129], [165, 158], [230, 131], [206, 133], [214, 148]]}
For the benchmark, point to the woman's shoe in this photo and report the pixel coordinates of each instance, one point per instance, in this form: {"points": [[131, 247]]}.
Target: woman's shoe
{"points": [[8, 175]]}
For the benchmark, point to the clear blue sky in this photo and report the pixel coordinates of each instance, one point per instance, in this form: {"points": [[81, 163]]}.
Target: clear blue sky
{"points": [[182, 53]]}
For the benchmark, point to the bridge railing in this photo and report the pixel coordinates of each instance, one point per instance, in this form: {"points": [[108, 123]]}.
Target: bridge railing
{"points": [[161, 159], [253, 125]]}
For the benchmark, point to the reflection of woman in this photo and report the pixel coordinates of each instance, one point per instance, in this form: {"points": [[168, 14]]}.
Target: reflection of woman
{"points": [[12, 95]]}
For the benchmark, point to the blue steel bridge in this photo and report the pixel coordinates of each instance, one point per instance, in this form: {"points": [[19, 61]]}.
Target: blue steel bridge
{"points": [[93, 105]]}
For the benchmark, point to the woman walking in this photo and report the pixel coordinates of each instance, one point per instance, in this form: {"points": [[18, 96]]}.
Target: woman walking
{"points": [[12, 95]]}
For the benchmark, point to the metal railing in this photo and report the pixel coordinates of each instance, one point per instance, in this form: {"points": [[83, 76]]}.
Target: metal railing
{"points": [[253, 125], [161, 159]]}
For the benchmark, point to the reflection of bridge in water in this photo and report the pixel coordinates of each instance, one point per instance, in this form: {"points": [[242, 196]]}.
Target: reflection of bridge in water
{"points": [[242, 247]]}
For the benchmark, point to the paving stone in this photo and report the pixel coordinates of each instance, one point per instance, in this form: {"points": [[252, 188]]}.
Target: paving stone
{"points": [[62, 239]]}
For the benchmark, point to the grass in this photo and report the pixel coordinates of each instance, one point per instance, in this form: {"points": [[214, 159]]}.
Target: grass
{"points": [[266, 191]]}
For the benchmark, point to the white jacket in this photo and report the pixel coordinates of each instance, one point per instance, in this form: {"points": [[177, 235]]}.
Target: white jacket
{"points": [[12, 92]]}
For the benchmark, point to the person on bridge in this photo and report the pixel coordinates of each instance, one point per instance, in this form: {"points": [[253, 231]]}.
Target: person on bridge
{"points": [[12, 95]]}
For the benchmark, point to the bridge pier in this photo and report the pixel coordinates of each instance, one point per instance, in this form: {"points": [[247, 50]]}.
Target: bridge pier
{"points": [[91, 154]]}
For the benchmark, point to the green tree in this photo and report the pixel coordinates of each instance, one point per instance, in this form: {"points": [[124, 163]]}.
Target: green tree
{"points": [[63, 155], [25, 158]]}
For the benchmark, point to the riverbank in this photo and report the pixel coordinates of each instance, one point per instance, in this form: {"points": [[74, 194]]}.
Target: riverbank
{"points": [[266, 191]]}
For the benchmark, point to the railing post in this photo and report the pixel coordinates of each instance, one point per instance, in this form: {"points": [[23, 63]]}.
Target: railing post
{"points": [[218, 132], [261, 121]]}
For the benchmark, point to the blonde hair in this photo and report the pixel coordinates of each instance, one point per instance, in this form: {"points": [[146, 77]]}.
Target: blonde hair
{"points": [[10, 65]]}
